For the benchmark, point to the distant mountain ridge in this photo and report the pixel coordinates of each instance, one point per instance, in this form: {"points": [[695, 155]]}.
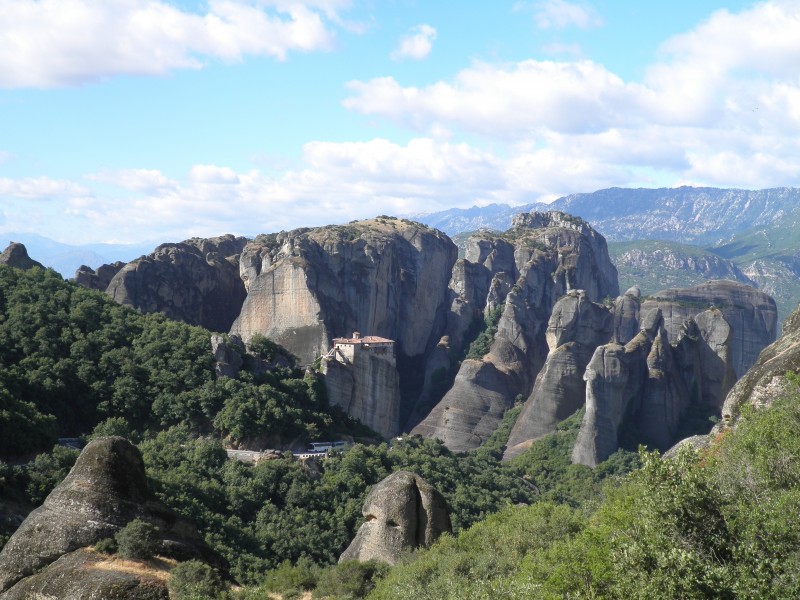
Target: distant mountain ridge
{"points": [[701, 216]]}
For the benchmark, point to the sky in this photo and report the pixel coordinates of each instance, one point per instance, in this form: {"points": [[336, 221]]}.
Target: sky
{"points": [[127, 121]]}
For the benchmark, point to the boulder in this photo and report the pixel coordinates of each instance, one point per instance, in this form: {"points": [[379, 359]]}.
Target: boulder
{"points": [[105, 490], [87, 575], [403, 512], [16, 256]]}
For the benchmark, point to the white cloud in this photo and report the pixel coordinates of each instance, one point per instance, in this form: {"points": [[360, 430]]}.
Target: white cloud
{"points": [[721, 106], [40, 188], [417, 44], [140, 180], [506, 101], [560, 14], [53, 43], [212, 174]]}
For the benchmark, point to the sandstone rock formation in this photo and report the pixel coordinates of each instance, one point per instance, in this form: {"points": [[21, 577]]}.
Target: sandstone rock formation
{"points": [[227, 355], [541, 258], [403, 512], [682, 357], [97, 280], [105, 490], [766, 379], [576, 327], [87, 575], [196, 281], [752, 314], [16, 255], [384, 277]]}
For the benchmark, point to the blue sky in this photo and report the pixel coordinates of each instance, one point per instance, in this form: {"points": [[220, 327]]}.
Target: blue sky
{"points": [[158, 120]]}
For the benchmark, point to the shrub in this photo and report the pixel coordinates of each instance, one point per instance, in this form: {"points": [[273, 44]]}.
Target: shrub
{"points": [[351, 579], [290, 579], [106, 546], [195, 580], [138, 539]]}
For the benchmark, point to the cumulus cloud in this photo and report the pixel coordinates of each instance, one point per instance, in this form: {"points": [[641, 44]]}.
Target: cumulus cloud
{"points": [[560, 14], [54, 43], [417, 44], [721, 105]]}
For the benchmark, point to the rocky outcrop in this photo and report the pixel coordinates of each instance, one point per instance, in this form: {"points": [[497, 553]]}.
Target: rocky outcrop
{"points": [[576, 327], [691, 346], [97, 280], [16, 256], [105, 490], [543, 257], [227, 355], [403, 512], [766, 380], [751, 313], [87, 575], [384, 277], [196, 281]]}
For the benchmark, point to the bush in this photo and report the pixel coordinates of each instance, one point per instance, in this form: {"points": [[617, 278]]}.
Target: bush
{"points": [[138, 539], [195, 580], [351, 579], [106, 546], [289, 579]]}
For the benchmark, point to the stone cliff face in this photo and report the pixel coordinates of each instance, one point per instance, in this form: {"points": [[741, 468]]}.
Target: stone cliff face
{"points": [[766, 379], [543, 257], [576, 327], [403, 512], [16, 255], [105, 490], [196, 281], [751, 313], [383, 277], [690, 347], [100, 279]]}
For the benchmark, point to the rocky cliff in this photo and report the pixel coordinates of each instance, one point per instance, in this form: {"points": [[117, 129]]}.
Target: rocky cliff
{"points": [[196, 281], [385, 277], [100, 279], [766, 379], [403, 512], [106, 489], [691, 346], [16, 255], [541, 258]]}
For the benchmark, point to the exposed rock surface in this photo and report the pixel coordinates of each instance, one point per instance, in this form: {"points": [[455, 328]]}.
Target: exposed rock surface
{"points": [[751, 313], [576, 327], [403, 512], [16, 255], [227, 355], [384, 277], [691, 346], [105, 490], [195, 281], [543, 257], [766, 379], [97, 280], [85, 575]]}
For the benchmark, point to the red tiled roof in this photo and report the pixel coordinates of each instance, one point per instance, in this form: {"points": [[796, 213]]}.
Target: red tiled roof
{"points": [[367, 339]]}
